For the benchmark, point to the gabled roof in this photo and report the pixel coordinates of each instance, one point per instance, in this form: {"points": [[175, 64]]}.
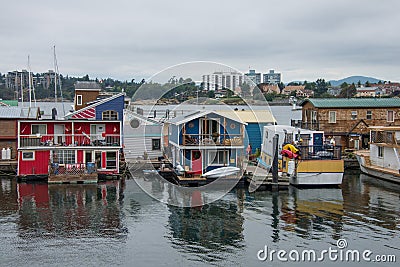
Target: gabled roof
{"points": [[201, 113], [94, 105], [353, 102], [130, 115]]}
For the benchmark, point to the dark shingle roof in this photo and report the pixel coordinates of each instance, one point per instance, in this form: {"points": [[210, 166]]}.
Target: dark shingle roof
{"points": [[87, 85], [353, 102]]}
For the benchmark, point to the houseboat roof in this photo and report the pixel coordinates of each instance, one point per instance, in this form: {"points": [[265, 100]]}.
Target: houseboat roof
{"points": [[94, 105], [200, 113], [130, 115], [87, 85], [19, 112], [384, 128], [353, 102], [290, 129], [250, 116]]}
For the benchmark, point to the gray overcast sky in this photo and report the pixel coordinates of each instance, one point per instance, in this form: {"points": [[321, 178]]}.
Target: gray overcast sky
{"points": [[125, 39]]}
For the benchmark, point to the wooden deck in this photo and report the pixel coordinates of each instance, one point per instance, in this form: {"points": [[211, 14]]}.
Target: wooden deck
{"points": [[8, 166], [260, 179], [73, 179]]}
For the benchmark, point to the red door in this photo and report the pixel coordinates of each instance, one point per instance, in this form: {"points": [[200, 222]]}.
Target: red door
{"points": [[197, 165]]}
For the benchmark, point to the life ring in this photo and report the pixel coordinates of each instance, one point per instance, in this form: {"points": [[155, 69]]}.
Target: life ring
{"points": [[291, 148]]}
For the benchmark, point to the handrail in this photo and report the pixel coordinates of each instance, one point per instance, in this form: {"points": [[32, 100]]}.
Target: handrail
{"points": [[69, 140]]}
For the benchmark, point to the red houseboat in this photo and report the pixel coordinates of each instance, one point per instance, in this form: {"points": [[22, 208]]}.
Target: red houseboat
{"points": [[65, 151]]}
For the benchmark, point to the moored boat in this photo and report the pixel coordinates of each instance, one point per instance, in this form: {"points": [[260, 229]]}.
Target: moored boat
{"points": [[221, 172], [306, 158], [382, 159]]}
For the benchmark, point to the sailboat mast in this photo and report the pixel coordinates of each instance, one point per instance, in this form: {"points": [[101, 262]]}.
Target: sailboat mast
{"points": [[22, 90], [30, 83], [55, 75]]}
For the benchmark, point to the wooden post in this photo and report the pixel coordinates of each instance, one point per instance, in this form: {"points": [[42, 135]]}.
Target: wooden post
{"points": [[275, 184]]}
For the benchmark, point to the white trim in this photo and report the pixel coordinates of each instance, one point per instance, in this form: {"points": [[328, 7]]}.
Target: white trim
{"points": [[329, 116], [79, 97], [28, 159]]}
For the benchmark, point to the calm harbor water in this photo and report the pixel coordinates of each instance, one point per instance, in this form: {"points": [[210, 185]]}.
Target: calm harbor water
{"points": [[116, 223]]}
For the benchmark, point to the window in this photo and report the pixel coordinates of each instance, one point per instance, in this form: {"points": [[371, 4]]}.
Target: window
{"points": [[39, 129], [29, 155], [369, 114], [79, 100], [156, 144], [390, 116], [354, 115], [110, 115], [111, 160], [380, 151], [64, 156], [332, 116], [219, 157]]}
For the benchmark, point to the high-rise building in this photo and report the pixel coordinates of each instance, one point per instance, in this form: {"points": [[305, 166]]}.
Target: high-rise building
{"points": [[253, 76], [222, 80], [272, 77]]}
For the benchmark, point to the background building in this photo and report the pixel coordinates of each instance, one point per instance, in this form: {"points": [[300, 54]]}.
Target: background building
{"points": [[272, 77], [222, 80], [253, 76]]}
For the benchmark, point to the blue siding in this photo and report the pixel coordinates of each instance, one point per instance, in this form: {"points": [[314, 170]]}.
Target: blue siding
{"points": [[253, 135], [116, 104]]}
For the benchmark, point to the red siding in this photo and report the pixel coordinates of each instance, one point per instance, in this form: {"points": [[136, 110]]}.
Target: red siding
{"points": [[40, 165], [111, 126], [79, 156]]}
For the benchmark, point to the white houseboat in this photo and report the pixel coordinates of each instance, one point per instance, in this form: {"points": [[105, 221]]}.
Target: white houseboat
{"points": [[304, 156], [382, 160]]}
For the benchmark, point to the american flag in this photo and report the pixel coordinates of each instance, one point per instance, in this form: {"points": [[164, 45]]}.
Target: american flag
{"points": [[89, 113]]}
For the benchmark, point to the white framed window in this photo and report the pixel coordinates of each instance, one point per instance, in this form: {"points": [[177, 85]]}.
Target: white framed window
{"points": [[79, 100], [390, 116], [369, 114], [28, 155], [110, 115], [380, 151], [220, 157], [354, 115], [332, 116], [111, 160], [64, 156], [38, 129]]}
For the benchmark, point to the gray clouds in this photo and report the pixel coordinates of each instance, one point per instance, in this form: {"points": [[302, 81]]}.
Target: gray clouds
{"points": [[133, 39]]}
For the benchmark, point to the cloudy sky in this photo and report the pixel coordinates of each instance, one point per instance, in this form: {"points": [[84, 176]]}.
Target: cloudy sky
{"points": [[127, 39]]}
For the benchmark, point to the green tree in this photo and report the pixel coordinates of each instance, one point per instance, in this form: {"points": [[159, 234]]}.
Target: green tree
{"points": [[321, 87], [211, 94]]}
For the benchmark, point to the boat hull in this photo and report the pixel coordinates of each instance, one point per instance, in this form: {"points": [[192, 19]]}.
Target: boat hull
{"points": [[318, 173], [380, 174]]}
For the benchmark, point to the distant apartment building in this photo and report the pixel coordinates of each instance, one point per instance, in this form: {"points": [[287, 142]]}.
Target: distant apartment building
{"points": [[20, 79], [369, 92], [253, 76], [222, 80], [272, 77]]}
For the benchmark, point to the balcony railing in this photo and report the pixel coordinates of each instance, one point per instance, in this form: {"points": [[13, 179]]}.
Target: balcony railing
{"points": [[313, 125], [320, 152], [212, 140], [69, 140], [72, 169]]}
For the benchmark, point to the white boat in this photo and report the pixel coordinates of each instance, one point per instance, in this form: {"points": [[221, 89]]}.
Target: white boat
{"points": [[312, 162], [221, 172], [382, 160]]}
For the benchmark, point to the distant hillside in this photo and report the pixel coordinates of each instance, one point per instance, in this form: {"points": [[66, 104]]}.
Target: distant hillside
{"points": [[354, 79]]}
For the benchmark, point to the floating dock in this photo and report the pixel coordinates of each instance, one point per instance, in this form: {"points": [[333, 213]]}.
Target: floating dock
{"points": [[260, 179]]}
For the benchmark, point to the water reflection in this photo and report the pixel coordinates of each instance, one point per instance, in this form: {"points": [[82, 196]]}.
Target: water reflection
{"points": [[80, 210], [209, 232]]}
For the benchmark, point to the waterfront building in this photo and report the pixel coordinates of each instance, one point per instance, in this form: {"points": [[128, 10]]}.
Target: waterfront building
{"points": [[272, 77], [346, 120], [206, 140], [144, 138], [255, 121], [253, 77]]}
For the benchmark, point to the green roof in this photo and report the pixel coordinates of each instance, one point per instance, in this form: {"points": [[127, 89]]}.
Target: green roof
{"points": [[353, 102], [13, 103]]}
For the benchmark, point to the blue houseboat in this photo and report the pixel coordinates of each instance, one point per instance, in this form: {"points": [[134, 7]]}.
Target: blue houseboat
{"points": [[206, 140]]}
